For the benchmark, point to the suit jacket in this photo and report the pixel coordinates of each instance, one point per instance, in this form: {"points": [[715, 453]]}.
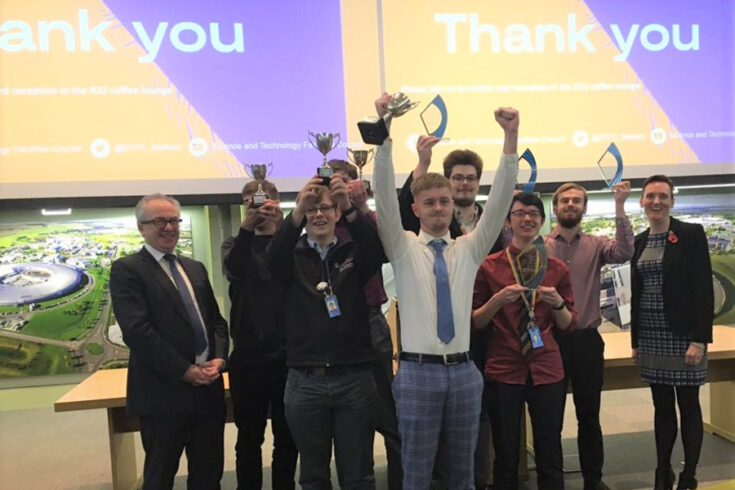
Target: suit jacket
{"points": [[687, 282], [157, 330]]}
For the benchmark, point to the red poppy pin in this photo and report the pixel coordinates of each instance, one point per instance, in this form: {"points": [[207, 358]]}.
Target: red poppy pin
{"points": [[672, 237]]}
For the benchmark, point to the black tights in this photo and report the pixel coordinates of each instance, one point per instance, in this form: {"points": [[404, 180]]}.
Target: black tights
{"points": [[665, 424]]}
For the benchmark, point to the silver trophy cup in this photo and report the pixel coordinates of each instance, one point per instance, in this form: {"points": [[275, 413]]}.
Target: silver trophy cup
{"points": [[324, 143], [361, 158], [259, 172]]}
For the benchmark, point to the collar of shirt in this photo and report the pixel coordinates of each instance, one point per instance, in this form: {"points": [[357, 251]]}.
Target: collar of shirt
{"points": [[556, 235], [322, 252], [425, 238], [472, 221], [158, 255]]}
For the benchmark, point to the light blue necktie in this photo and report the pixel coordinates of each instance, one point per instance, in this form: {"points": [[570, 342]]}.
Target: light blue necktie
{"points": [[445, 319], [200, 341]]}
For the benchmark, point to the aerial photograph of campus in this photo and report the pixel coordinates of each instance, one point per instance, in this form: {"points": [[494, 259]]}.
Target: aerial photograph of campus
{"points": [[55, 312]]}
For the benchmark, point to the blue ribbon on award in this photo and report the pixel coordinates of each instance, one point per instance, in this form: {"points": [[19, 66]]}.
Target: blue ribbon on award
{"points": [[615, 152], [438, 102], [528, 156]]}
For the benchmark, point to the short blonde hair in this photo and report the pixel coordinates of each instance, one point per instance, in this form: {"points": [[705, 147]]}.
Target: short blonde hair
{"points": [[428, 181]]}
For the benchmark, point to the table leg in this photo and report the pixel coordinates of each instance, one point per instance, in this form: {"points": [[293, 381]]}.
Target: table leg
{"points": [[122, 453], [722, 401]]}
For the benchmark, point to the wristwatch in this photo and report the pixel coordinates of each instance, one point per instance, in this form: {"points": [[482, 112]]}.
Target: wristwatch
{"points": [[561, 306]]}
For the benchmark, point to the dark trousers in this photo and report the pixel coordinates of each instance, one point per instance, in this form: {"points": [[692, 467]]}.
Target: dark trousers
{"points": [[546, 407], [255, 389], [340, 410], [165, 437], [583, 354], [665, 426]]}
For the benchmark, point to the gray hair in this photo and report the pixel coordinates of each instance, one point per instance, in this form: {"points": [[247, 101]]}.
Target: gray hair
{"points": [[141, 207]]}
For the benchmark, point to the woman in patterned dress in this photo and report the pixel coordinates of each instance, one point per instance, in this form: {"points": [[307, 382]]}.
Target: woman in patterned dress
{"points": [[672, 313]]}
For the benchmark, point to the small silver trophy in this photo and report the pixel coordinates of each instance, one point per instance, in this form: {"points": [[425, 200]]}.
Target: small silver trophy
{"points": [[361, 158], [398, 105], [259, 172], [324, 143], [375, 131]]}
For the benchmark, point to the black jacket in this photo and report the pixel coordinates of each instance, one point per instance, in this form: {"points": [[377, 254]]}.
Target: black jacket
{"points": [[257, 319], [312, 338], [687, 282]]}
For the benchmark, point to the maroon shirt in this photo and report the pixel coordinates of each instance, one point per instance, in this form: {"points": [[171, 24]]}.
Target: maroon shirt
{"points": [[505, 363], [584, 256]]}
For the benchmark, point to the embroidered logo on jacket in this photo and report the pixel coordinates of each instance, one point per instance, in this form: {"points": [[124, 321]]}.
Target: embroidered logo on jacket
{"points": [[349, 263]]}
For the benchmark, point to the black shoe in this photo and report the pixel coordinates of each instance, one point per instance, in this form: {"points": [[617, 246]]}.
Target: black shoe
{"points": [[686, 482], [595, 485], [664, 479]]}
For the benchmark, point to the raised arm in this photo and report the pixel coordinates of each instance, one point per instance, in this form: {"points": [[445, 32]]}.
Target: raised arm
{"points": [[621, 249], [390, 230], [501, 192]]}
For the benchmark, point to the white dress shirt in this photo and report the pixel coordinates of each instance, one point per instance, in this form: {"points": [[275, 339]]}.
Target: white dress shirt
{"points": [[413, 260]]}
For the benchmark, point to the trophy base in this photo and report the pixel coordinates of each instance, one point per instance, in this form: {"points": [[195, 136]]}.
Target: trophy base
{"points": [[373, 133], [326, 174], [259, 200], [366, 183]]}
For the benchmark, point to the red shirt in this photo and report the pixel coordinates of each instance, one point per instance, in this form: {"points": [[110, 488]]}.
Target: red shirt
{"points": [[505, 363]]}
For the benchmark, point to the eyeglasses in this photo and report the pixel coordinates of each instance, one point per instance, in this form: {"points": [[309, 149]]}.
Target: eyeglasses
{"points": [[520, 213], [161, 223], [459, 178], [324, 209]]}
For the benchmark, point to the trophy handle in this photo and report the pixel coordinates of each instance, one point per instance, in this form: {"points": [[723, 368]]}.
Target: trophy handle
{"points": [[336, 143], [309, 137], [270, 169], [371, 154]]}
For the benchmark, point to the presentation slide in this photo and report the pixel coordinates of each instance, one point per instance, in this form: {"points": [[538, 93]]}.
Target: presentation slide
{"points": [[127, 97]]}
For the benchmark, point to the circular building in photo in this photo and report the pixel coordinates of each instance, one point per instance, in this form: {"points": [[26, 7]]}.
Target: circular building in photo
{"points": [[21, 284]]}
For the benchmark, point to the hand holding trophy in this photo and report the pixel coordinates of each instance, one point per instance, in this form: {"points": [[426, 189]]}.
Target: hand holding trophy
{"points": [[375, 131]]}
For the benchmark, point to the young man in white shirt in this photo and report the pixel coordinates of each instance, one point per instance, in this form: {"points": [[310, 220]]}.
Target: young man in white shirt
{"points": [[437, 391]]}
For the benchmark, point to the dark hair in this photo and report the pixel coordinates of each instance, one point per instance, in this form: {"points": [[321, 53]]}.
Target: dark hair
{"points": [[658, 178], [268, 186], [528, 199], [566, 187], [431, 180], [462, 157], [343, 166]]}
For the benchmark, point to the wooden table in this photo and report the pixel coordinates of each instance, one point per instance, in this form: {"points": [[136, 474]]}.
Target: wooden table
{"points": [[106, 389]]}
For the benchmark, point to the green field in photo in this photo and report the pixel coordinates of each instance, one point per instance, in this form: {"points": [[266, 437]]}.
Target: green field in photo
{"points": [[94, 348], [21, 358]]}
